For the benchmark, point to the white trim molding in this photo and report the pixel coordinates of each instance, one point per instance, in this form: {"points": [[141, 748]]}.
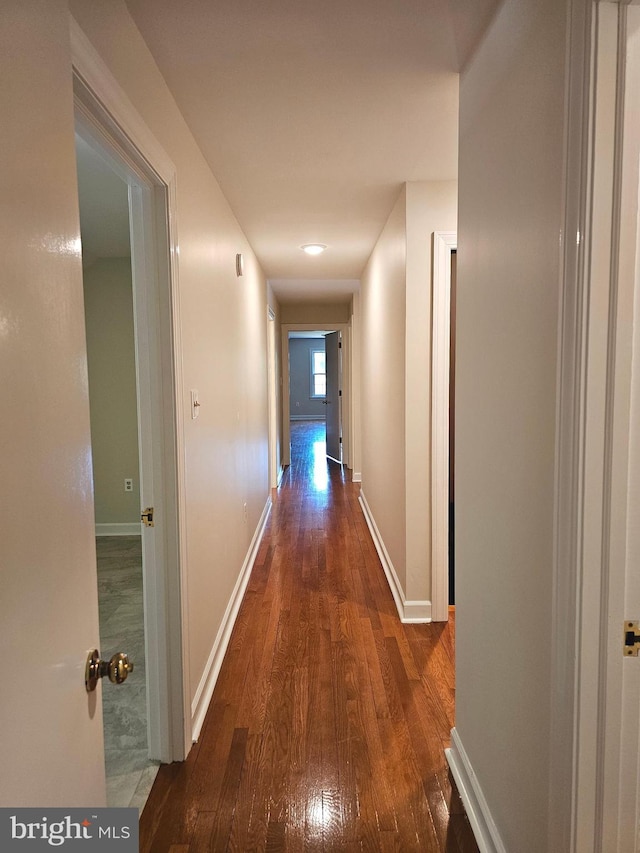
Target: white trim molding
{"points": [[483, 825], [202, 698], [444, 243], [408, 611], [119, 110], [124, 529]]}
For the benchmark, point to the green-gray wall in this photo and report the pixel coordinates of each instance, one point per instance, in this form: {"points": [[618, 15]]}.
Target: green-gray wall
{"points": [[302, 405], [112, 389]]}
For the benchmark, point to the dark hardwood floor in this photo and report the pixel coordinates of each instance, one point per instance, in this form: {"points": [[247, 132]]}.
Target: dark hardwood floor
{"points": [[329, 719]]}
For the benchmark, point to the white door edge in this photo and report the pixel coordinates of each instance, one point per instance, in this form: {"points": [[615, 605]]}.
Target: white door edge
{"points": [[444, 243]]}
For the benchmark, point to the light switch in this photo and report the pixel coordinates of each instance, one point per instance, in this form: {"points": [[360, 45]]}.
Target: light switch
{"points": [[195, 404]]}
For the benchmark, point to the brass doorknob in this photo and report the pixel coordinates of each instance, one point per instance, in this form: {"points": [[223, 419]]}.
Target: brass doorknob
{"points": [[117, 668]]}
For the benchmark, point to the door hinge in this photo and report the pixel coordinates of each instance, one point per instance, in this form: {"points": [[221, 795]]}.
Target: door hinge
{"points": [[339, 344], [340, 439], [339, 393], [631, 640]]}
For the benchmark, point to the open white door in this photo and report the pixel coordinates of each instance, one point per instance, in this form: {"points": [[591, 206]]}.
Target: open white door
{"points": [[332, 343], [51, 737]]}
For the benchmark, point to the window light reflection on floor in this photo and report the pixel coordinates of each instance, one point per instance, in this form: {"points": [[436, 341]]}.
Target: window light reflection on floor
{"points": [[322, 811], [320, 473]]}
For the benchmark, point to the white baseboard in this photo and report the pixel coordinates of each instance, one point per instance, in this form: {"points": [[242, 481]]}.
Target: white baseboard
{"points": [[480, 818], [409, 611], [125, 529], [201, 700], [356, 477]]}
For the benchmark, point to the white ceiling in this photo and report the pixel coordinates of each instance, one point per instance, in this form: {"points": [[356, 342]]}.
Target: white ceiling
{"points": [[313, 114], [314, 289]]}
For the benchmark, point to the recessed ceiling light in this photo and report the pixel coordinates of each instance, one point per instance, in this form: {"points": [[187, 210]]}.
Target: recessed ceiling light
{"points": [[313, 248]]}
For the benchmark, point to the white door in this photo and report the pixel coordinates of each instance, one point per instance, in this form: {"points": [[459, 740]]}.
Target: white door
{"points": [[332, 343], [50, 727]]}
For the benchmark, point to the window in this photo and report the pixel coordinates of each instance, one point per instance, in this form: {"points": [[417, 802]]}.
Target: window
{"points": [[318, 373]]}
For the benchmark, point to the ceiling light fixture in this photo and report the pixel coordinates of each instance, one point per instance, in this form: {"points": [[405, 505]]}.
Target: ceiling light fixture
{"points": [[313, 248]]}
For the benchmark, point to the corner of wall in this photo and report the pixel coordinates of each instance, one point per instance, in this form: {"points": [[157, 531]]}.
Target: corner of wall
{"points": [[409, 611], [480, 817]]}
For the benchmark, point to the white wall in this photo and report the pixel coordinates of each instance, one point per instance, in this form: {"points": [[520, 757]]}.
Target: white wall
{"points": [[431, 206], [396, 388], [383, 311], [510, 209]]}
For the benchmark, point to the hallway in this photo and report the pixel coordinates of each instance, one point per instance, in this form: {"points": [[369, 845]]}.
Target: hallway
{"points": [[329, 718]]}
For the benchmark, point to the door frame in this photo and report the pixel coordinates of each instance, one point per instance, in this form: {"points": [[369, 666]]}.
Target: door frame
{"points": [[275, 466], [444, 244], [340, 351], [347, 450], [109, 121], [587, 793], [620, 742]]}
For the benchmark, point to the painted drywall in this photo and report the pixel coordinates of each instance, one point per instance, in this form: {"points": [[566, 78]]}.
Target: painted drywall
{"points": [[511, 151], [108, 308], [383, 304], [396, 368], [301, 405], [431, 206], [51, 728], [224, 332]]}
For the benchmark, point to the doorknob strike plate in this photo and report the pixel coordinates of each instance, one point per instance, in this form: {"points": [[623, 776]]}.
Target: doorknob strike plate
{"points": [[631, 639]]}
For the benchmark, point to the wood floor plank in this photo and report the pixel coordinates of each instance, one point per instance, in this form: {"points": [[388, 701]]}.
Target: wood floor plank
{"points": [[327, 726]]}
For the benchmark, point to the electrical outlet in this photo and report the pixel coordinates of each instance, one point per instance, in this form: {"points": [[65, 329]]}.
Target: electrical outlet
{"points": [[245, 511], [128, 485]]}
